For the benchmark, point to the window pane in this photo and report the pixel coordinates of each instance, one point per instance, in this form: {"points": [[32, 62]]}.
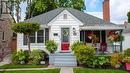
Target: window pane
{"points": [[40, 40], [88, 38], [25, 40], [40, 33], [40, 36], [32, 38]]}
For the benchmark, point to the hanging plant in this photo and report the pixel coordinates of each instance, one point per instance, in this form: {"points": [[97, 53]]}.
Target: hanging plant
{"points": [[114, 36]]}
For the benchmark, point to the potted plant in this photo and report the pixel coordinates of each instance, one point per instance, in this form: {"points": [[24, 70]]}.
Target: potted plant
{"points": [[51, 46]]}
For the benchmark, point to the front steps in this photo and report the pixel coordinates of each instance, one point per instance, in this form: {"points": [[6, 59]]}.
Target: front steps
{"points": [[63, 59]]}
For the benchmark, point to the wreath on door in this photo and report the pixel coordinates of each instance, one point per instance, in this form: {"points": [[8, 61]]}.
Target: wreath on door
{"points": [[65, 33]]}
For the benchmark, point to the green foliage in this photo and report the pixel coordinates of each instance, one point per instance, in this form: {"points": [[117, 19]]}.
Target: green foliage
{"points": [[26, 28], [85, 54], [75, 44], [128, 14], [115, 59], [99, 61], [19, 56], [36, 56], [41, 6], [127, 52], [51, 46]]}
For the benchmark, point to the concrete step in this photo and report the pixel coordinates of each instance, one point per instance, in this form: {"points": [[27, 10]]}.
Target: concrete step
{"points": [[63, 59]]}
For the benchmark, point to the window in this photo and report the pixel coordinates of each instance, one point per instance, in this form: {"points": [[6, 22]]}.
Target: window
{"points": [[32, 38], [40, 36], [37, 37], [65, 16]]}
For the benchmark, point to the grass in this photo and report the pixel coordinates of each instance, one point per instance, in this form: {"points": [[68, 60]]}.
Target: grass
{"points": [[34, 71], [87, 70], [12, 66]]}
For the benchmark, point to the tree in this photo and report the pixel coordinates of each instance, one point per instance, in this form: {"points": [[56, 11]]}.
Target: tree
{"points": [[41, 6], [26, 29], [128, 14], [16, 5]]}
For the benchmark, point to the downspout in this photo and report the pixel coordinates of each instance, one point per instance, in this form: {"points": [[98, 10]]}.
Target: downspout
{"points": [[121, 41]]}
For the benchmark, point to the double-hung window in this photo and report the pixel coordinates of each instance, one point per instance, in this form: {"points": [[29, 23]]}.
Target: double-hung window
{"points": [[36, 37]]}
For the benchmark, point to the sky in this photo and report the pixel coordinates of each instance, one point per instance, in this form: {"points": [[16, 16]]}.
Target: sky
{"points": [[118, 9]]}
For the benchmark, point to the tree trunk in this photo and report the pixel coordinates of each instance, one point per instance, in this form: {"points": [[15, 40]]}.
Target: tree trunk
{"points": [[28, 42]]}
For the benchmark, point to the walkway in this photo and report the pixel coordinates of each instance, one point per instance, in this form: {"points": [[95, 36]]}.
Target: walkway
{"points": [[26, 69], [66, 70]]}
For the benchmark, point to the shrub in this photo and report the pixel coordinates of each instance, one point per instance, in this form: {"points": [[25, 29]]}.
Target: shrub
{"points": [[101, 61], [36, 56], [19, 56], [85, 54], [75, 44], [116, 59], [15, 59], [127, 52], [51, 46]]}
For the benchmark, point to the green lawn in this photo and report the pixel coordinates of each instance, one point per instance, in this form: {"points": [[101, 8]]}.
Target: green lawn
{"points": [[87, 70], [11, 66], [34, 71]]}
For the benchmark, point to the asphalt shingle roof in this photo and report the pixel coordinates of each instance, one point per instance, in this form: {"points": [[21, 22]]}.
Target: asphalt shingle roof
{"points": [[86, 19]]}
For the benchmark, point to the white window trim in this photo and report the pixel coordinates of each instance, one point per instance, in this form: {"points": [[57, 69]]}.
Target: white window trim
{"points": [[36, 37]]}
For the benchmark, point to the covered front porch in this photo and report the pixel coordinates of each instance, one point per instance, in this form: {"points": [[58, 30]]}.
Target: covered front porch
{"points": [[100, 37]]}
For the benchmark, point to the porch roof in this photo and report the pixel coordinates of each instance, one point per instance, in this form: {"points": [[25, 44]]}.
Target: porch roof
{"points": [[103, 27]]}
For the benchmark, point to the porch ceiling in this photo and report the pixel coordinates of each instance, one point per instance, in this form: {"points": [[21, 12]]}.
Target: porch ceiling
{"points": [[104, 27]]}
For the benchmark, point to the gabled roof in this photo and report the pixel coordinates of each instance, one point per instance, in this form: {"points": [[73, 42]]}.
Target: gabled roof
{"points": [[86, 19]]}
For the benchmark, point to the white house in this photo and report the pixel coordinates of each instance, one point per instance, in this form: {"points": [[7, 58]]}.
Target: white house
{"points": [[65, 26], [126, 34]]}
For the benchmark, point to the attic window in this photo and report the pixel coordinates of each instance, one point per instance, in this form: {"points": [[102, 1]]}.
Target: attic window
{"points": [[65, 16]]}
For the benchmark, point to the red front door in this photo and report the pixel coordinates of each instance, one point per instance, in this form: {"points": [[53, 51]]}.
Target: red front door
{"points": [[65, 39]]}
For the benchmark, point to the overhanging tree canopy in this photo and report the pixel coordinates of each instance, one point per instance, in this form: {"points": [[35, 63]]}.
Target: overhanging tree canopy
{"points": [[26, 28]]}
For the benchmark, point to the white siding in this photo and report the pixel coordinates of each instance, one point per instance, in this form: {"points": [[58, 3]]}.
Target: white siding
{"points": [[58, 23], [126, 42], [55, 27]]}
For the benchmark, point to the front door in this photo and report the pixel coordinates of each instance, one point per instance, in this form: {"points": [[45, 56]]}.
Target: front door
{"points": [[65, 39]]}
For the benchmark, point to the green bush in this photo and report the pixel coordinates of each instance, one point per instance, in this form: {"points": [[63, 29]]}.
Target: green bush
{"points": [[51, 46], [85, 54], [115, 59], [127, 52], [19, 56], [75, 44], [100, 61], [36, 56]]}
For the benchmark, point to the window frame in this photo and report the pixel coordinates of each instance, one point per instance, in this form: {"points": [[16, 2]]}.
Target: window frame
{"points": [[43, 36], [36, 38]]}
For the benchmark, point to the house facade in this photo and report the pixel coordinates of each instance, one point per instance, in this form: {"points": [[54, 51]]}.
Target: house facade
{"points": [[126, 34], [6, 34], [66, 26]]}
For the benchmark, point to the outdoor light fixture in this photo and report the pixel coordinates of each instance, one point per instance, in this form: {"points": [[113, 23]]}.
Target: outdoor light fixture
{"points": [[74, 31]]}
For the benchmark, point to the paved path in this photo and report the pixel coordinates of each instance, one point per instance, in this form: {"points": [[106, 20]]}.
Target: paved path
{"points": [[66, 70], [26, 69]]}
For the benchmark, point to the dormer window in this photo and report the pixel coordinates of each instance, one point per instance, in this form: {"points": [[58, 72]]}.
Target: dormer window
{"points": [[65, 16]]}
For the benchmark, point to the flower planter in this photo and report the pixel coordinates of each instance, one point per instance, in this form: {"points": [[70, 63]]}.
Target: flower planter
{"points": [[128, 66]]}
